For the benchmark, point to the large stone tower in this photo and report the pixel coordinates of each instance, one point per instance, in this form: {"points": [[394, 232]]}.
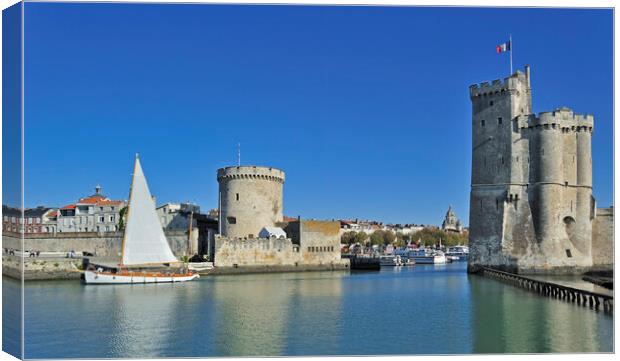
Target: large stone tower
{"points": [[250, 198], [531, 205]]}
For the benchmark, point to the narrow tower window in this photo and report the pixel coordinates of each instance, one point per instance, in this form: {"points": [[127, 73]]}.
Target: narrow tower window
{"points": [[482, 122], [497, 204], [499, 120], [237, 196], [491, 103]]}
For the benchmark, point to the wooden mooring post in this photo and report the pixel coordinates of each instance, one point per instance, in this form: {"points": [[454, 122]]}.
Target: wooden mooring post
{"points": [[592, 300]]}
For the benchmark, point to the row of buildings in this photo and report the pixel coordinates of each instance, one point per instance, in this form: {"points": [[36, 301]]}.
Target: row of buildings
{"points": [[98, 213], [94, 213], [450, 224]]}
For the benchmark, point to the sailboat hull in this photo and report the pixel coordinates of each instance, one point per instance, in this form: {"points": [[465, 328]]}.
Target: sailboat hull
{"points": [[95, 277]]}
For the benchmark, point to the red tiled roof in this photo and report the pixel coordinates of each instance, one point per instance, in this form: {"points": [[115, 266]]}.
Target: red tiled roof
{"points": [[70, 206], [53, 214], [92, 199], [99, 200], [289, 219]]}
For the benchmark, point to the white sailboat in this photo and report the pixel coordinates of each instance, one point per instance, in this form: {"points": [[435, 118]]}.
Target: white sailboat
{"points": [[144, 243]]}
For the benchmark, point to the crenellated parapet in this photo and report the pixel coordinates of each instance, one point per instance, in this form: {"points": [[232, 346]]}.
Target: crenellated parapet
{"points": [[250, 172], [498, 86], [561, 119]]}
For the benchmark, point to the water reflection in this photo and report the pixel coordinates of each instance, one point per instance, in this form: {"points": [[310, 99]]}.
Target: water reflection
{"points": [[11, 317], [418, 310], [256, 314], [507, 319]]}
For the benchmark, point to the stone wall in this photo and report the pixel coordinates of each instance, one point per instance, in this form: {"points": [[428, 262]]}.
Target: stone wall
{"points": [[107, 244], [319, 241], [255, 252], [311, 243], [603, 238]]}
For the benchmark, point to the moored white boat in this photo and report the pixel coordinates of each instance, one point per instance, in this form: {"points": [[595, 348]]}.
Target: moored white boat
{"points": [[100, 277], [388, 260], [200, 266], [458, 253], [144, 244], [427, 256]]}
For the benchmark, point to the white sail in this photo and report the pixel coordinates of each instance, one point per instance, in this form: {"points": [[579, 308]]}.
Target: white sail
{"points": [[144, 240]]}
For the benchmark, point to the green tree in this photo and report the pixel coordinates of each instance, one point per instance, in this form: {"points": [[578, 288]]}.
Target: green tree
{"points": [[388, 237], [400, 242], [376, 238], [361, 237], [121, 221], [432, 236], [348, 237]]}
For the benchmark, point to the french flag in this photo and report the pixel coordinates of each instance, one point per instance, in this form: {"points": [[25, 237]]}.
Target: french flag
{"points": [[501, 48]]}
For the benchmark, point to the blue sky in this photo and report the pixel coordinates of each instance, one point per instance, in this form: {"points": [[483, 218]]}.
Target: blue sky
{"points": [[365, 108]]}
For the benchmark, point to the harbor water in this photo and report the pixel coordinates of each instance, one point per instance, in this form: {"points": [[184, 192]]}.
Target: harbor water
{"points": [[425, 309]]}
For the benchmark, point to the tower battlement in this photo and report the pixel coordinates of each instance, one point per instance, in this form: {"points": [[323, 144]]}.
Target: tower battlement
{"points": [[562, 119], [251, 172], [499, 86]]}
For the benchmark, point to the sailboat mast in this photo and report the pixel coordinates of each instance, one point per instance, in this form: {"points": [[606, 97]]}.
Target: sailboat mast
{"points": [[133, 175]]}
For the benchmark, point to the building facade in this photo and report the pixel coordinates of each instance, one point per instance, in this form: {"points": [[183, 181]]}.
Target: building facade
{"points": [[176, 216], [318, 241], [11, 219], [34, 220], [95, 213], [531, 204]]}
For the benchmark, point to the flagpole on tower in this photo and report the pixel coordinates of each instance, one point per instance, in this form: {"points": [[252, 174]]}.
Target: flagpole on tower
{"points": [[510, 42]]}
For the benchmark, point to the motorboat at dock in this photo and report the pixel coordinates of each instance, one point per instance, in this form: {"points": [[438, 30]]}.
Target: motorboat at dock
{"points": [[427, 256]]}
